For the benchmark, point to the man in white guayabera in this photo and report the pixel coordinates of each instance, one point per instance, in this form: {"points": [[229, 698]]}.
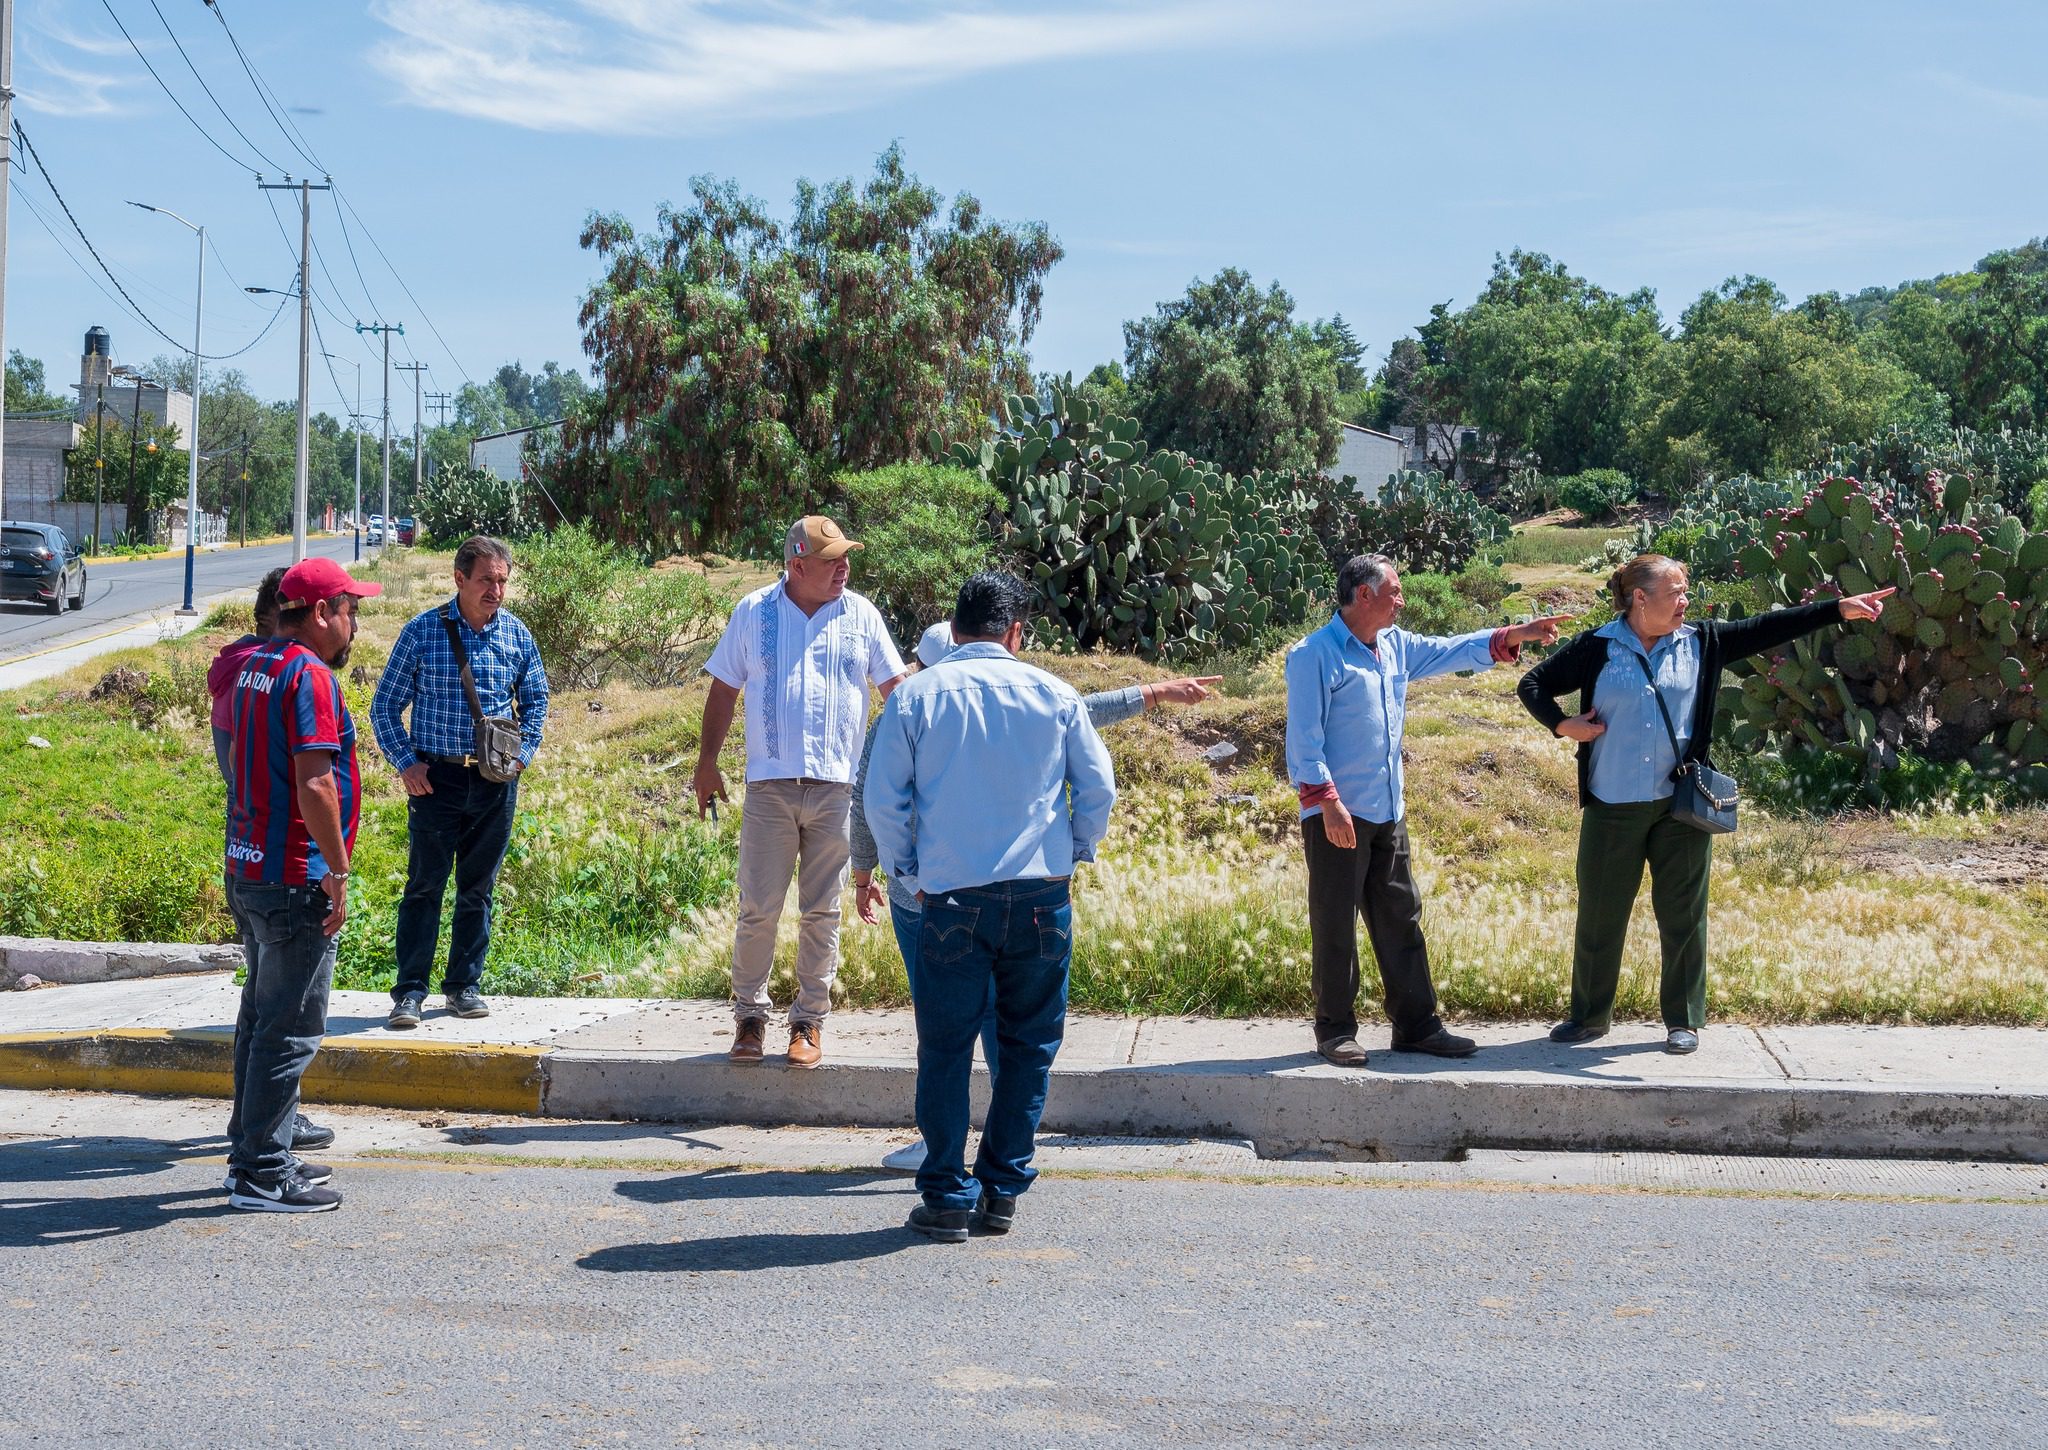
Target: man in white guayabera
{"points": [[803, 651]]}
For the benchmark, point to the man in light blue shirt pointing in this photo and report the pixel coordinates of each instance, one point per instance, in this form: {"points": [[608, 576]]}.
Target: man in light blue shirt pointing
{"points": [[987, 785]]}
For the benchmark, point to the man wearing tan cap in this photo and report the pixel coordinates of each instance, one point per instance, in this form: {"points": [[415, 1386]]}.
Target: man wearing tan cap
{"points": [[804, 651]]}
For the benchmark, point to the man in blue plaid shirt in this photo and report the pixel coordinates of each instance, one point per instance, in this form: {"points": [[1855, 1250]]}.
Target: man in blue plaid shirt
{"points": [[455, 818]]}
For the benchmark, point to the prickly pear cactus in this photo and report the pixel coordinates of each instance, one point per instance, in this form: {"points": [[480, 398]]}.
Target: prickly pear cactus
{"points": [[1155, 553], [1425, 521], [1950, 671]]}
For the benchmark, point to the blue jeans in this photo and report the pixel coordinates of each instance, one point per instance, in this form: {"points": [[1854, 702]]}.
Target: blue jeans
{"points": [[908, 924], [1015, 937], [465, 826], [282, 1018]]}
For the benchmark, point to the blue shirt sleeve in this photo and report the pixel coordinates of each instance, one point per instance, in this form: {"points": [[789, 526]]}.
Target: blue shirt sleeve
{"points": [[1112, 707], [396, 687], [1308, 700], [1091, 783], [532, 695], [889, 800], [1425, 655]]}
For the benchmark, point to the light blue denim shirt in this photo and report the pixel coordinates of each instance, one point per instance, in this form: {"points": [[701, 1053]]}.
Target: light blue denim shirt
{"points": [[970, 778], [1347, 705], [1633, 760]]}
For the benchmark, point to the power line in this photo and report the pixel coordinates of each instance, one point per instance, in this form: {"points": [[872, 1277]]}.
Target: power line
{"points": [[424, 317], [292, 135], [71, 253], [203, 85], [171, 93], [342, 217]]}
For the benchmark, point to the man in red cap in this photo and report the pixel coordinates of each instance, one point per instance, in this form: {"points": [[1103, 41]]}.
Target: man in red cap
{"points": [[293, 798]]}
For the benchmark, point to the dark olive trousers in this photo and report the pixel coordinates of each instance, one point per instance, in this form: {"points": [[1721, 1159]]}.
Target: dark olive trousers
{"points": [[1373, 880], [1615, 843]]}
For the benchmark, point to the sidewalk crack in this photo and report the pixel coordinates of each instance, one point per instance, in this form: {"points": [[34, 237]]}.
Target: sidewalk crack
{"points": [[1772, 1052]]}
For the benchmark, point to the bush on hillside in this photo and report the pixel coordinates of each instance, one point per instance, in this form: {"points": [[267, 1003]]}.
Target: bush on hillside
{"points": [[457, 501], [1422, 521], [1598, 493], [923, 528], [596, 614]]}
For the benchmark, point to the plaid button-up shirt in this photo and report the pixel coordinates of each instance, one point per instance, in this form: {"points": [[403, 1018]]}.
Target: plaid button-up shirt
{"points": [[422, 673]]}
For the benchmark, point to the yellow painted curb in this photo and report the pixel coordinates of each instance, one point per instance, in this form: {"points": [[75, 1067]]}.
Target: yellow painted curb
{"points": [[457, 1076]]}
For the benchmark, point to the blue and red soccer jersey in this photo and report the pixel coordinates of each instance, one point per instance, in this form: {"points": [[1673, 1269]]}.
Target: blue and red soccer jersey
{"points": [[283, 701]]}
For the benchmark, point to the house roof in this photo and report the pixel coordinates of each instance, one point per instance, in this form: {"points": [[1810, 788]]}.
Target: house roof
{"points": [[1356, 428], [514, 432]]}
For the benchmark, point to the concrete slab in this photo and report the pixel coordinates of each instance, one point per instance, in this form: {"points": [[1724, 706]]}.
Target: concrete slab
{"points": [[2010, 1058], [171, 1002], [520, 1021]]}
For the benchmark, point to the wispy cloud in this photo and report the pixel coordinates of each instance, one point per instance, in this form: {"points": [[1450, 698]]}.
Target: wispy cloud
{"points": [[651, 67], [1755, 235], [2019, 105], [61, 77]]}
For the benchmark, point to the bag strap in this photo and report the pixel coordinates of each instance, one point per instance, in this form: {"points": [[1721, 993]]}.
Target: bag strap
{"points": [[476, 706], [1677, 755]]}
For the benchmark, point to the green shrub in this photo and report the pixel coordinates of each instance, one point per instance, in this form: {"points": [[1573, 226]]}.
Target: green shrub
{"points": [[2037, 508], [1598, 493], [457, 501], [1485, 583], [565, 582], [923, 528], [1424, 521], [664, 617], [1433, 605]]}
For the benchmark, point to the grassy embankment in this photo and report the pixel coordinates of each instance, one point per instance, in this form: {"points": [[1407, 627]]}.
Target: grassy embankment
{"points": [[614, 887]]}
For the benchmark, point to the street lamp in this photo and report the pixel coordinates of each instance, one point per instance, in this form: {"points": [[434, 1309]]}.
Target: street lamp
{"points": [[355, 426], [192, 443], [303, 460]]}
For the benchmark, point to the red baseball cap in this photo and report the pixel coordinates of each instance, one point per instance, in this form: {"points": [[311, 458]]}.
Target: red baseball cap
{"points": [[311, 580]]}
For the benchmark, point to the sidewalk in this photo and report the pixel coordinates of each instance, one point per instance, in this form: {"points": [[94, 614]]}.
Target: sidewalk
{"points": [[1930, 1092]]}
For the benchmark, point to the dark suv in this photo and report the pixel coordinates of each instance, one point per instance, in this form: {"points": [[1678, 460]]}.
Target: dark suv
{"points": [[39, 564]]}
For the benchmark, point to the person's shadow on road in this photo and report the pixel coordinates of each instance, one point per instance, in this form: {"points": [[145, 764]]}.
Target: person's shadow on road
{"points": [[752, 1251], [51, 1160], [31, 1223], [729, 1183]]}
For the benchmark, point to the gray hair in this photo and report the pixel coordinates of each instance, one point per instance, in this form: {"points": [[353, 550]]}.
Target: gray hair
{"points": [[481, 546], [1371, 570]]}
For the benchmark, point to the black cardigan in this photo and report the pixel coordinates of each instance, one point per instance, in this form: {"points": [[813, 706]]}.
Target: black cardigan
{"points": [[1577, 666]]}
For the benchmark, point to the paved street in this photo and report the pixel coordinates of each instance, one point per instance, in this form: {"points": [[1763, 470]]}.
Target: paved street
{"points": [[604, 1293], [130, 592]]}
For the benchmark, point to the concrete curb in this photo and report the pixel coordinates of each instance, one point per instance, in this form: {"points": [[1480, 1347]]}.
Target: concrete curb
{"points": [[1291, 1110], [454, 1077], [70, 963]]}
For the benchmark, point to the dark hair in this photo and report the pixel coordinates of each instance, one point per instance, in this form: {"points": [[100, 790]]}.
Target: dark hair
{"points": [[1371, 570], [481, 546], [1638, 573], [266, 601], [989, 604], [289, 620]]}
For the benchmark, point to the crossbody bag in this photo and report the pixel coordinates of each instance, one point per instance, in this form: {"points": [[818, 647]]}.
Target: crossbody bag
{"points": [[1702, 797], [497, 736]]}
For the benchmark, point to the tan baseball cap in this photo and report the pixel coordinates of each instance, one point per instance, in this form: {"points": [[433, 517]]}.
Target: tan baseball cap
{"points": [[816, 537]]}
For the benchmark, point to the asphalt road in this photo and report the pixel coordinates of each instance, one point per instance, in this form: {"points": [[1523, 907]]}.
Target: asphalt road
{"points": [[611, 1302], [131, 591]]}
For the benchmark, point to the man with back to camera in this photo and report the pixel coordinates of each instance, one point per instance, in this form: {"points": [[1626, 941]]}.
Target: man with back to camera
{"points": [[1347, 706], [987, 785], [804, 651], [293, 806], [456, 819]]}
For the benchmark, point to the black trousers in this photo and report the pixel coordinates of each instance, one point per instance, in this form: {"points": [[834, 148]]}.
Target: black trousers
{"points": [[464, 827], [1373, 880]]}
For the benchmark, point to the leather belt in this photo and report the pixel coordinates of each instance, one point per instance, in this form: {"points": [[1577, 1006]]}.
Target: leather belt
{"points": [[465, 762]]}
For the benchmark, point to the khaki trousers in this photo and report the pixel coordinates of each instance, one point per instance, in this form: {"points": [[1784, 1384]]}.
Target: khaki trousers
{"points": [[790, 827]]}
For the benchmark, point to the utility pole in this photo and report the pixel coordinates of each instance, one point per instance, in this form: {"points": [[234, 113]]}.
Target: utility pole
{"points": [[99, 459], [415, 369], [385, 328], [440, 404], [6, 187], [355, 428], [135, 428], [305, 189], [192, 443]]}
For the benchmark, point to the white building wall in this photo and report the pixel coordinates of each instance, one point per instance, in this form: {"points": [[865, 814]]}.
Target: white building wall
{"points": [[1368, 458]]}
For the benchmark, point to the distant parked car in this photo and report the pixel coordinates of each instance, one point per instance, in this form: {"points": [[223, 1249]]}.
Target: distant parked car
{"points": [[376, 529], [408, 530], [38, 563]]}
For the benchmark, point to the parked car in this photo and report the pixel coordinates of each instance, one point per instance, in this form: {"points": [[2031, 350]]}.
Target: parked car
{"points": [[39, 563], [376, 529], [408, 530]]}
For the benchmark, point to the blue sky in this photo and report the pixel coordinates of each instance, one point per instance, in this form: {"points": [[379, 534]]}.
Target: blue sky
{"points": [[1371, 156]]}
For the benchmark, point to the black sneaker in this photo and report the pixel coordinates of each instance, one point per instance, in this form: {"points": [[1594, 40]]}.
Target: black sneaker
{"points": [[310, 1137], [1440, 1043], [997, 1212], [314, 1173], [290, 1194], [407, 1010], [469, 1002], [1570, 1032], [943, 1225]]}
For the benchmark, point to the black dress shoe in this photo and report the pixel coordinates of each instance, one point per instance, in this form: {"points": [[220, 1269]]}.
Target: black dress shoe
{"points": [[997, 1211], [1569, 1032], [1439, 1043], [309, 1137], [942, 1225]]}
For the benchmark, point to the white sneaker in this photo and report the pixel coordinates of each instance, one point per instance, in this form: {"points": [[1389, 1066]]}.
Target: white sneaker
{"points": [[907, 1159]]}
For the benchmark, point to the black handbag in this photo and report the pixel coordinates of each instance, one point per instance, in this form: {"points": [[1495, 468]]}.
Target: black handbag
{"points": [[1702, 797], [497, 736]]}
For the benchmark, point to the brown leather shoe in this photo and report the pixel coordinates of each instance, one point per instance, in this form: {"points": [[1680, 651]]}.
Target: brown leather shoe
{"points": [[1342, 1051], [747, 1040], [804, 1044]]}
